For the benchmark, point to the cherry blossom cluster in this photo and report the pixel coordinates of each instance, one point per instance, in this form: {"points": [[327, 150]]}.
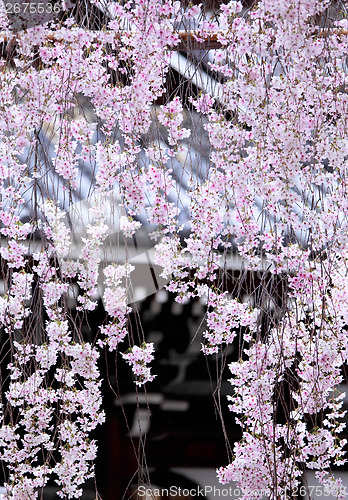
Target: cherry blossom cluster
{"points": [[55, 384], [171, 116], [115, 303], [138, 358], [225, 316], [283, 161], [274, 192]]}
